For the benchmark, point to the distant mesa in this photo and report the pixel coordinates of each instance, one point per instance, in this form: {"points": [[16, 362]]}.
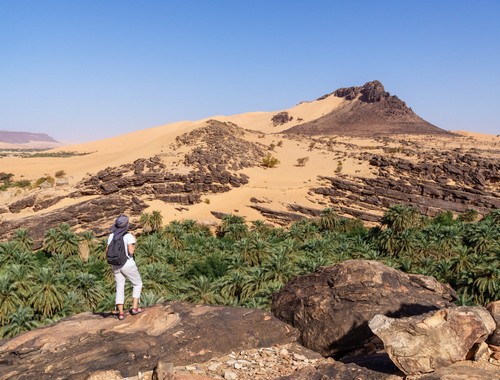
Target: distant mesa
{"points": [[27, 139], [368, 110]]}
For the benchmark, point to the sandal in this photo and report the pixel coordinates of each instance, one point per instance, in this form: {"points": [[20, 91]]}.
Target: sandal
{"points": [[121, 316], [136, 311]]}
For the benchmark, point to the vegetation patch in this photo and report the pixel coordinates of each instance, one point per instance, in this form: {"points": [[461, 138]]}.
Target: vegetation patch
{"points": [[241, 264]]}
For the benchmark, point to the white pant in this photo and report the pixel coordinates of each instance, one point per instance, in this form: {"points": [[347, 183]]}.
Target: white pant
{"points": [[127, 272]]}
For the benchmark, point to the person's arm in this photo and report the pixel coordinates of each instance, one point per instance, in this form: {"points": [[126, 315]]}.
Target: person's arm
{"points": [[131, 249]]}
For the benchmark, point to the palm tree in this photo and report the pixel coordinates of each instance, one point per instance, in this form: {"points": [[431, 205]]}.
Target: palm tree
{"points": [[303, 230], [67, 241], [72, 304], [174, 233], [232, 227], [22, 279], [89, 288], [8, 251], [150, 250], [203, 290], [23, 239], [20, 320], [145, 222], [232, 285], [468, 216], [484, 237], [279, 267], [260, 227], [48, 293], [149, 298], [487, 282], [387, 240], [400, 217], [329, 220], [156, 221], [9, 299], [462, 261], [50, 240]]}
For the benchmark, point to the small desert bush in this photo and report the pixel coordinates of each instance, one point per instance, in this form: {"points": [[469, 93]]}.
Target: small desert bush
{"points": [[41, 180], [339, 167], [60, 174], [302, 161], [270, 161]]}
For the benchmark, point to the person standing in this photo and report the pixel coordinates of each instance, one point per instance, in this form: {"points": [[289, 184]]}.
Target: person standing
{"points": [[127, 271]]}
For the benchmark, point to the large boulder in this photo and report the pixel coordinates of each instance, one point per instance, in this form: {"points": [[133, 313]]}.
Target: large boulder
{"points": [[494, 309], [464, 371], [423, 343], [338, 371], [176, 333], [332, 307]]}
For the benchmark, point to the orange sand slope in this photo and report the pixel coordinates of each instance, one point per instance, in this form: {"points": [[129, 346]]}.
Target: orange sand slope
{"points": [[285, 184]]}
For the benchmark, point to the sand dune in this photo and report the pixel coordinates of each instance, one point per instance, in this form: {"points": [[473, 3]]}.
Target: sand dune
{"points": [[277, 187]]}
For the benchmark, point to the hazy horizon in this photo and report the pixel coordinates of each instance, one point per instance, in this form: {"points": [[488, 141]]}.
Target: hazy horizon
{"points": [[83, 71]]}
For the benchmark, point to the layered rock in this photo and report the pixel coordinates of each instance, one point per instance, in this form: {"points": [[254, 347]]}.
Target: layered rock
{"points": [[215, 154], [424, 343], [331, 307]]}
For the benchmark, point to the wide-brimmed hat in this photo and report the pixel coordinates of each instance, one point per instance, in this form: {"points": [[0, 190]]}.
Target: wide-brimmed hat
{"points": [[121, 221]]}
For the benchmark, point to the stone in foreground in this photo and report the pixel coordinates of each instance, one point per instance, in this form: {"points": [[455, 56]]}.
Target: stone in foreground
{"points": [[424, 343], [331, 307]]}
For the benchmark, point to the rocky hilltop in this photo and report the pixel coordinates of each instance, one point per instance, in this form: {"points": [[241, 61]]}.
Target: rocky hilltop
{"points": [[368, 110]]}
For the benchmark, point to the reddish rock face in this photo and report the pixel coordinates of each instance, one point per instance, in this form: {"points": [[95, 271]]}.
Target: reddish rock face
{"points": [[331, 307]]}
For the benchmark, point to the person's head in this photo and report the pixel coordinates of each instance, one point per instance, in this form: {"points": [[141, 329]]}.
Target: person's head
{"points": [[121, 222]]}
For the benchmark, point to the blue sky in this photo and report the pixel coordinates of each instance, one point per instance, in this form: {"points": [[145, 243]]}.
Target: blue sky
{"points": [[85, 70]]}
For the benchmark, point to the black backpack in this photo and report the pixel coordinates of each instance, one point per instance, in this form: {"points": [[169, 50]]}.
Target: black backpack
{"points": [[116, 254]]}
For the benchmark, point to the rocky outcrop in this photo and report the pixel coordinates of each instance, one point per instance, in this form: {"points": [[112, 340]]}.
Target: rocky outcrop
{"points": [[92, 215], [368, 110], [494, 309], [331, 307], [177, 332], [464, 371], [215, 155], [423, 343], [338, 371]]}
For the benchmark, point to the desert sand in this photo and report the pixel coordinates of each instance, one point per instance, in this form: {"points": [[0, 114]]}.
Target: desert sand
{"points": [[287, 183]]}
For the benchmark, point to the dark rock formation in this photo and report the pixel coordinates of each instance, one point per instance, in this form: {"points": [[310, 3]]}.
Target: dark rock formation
{"points": [[332, 307], [369, 110], [95, 215], [177, 333], [434, 182]]}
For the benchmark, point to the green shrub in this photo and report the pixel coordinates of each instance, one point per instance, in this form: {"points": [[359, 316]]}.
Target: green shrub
{"points": [[60, 174], [41, 180], [270, 161]]}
